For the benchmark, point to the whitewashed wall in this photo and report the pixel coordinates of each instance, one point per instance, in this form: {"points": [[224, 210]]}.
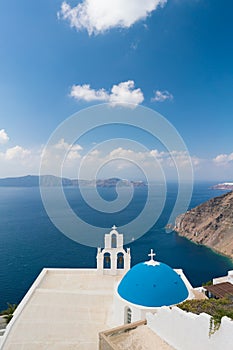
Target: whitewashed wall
{"points": [[227, 278], [138, 312], [184, 330]]}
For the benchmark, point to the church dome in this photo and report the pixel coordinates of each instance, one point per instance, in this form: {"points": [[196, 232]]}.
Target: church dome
{"points": [[152, 284]]}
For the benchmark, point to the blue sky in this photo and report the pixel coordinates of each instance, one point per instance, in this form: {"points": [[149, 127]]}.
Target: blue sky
{"points": [[172, 56]]}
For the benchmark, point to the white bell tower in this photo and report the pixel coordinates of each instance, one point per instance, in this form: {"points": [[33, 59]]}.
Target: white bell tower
{"points": [[113, 259]]}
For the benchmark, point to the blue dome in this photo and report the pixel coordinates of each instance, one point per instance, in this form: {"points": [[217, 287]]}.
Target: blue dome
{"points": [[152, 284]]}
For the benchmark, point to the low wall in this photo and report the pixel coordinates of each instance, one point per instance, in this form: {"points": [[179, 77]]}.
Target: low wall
{"points": [[22, 304], [2, 322], [185, 330], [105, 342]]}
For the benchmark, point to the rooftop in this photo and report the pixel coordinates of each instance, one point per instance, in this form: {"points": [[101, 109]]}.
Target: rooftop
{"points": [[64, 309], [153, 284], [220, 290]]}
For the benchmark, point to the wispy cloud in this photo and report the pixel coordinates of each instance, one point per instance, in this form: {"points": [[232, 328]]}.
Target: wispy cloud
{"points": [[162, 96], [98, 16], [4, 138], [134, 45], [121, 94]]}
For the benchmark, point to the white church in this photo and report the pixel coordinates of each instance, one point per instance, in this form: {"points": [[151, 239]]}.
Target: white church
{"points": [[112, 306]]}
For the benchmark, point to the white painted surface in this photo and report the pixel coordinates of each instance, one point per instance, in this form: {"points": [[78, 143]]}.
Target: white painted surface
{"points": [[64, 309], [113, 254], [187, 331], [228, 278], [139, 312], [120, 305]]}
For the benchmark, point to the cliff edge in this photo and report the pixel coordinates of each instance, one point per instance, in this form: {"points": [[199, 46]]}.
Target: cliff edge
{"points": [[210, 224]]}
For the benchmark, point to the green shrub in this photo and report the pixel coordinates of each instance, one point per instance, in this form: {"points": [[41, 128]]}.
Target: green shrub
{"points": [[8, 313], [217, 308], [209, 283]]}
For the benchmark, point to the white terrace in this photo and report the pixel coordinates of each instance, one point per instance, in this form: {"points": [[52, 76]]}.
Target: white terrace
{"points": [[65, 309]]}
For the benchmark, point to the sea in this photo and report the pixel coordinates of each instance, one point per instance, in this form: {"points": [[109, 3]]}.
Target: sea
{"points": [[29, 241]]}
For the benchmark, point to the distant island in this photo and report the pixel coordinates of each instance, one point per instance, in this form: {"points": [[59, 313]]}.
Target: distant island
{"points": [[210, 224], [223, 186], [54, 181]]}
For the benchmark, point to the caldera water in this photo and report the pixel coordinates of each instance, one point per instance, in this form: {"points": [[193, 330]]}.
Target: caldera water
{"points": [[29, 241]]}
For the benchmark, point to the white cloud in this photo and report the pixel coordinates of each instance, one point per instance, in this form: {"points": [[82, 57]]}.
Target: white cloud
{"points": [[165, 159], [125, 93], [85, 93], [113, 161], [122, 94], [55, 154], [62, 145], [17, 161], [98, 16], [161, 96], [4, 138], [16, 152], [223, 159]]}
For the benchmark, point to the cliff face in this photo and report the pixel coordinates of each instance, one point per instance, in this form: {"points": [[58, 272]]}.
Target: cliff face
{"points": [[210, 224]]}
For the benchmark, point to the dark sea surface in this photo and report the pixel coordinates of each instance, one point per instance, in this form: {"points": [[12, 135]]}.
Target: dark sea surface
{"points": [[29, 241]]}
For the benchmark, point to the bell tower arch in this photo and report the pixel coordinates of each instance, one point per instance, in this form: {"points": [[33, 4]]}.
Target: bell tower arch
{"points": [[113, 259]]}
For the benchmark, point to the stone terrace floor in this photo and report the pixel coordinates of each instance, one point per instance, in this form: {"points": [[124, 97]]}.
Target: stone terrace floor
{"points": [[66, 310]]}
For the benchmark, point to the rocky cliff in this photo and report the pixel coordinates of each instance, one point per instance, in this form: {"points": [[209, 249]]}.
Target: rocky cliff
{"points": [[210, 224]]}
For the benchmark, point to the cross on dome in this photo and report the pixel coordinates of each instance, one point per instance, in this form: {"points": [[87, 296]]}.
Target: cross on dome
{"points": [[152, 254], [152, 262], [114, 227]]}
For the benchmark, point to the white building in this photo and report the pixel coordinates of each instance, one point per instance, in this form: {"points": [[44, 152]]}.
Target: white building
{"points": [[67, 308], [113, 259]]}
